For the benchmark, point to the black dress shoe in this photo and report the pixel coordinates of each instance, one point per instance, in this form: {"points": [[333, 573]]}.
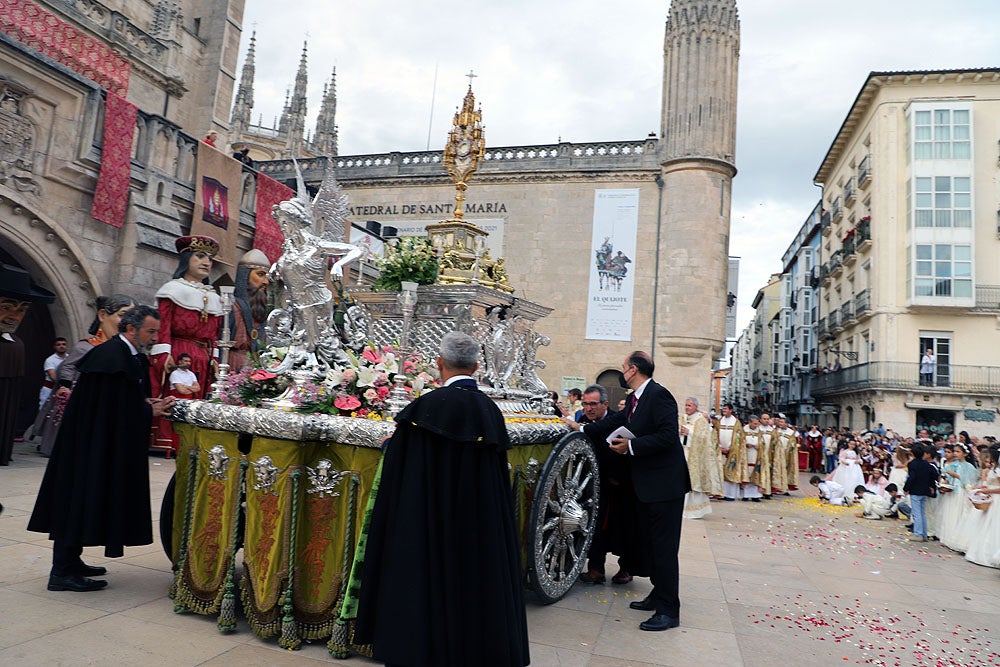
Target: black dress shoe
{"points": [[647, 604], [75, 582], [659, 622], [592, 577], [85, 570]]}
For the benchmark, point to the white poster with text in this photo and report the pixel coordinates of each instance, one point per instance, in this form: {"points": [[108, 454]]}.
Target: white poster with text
{"points": [[612, 273]]}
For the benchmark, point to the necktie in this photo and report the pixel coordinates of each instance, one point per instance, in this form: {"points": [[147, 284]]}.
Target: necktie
{"points": [[632, 403]]}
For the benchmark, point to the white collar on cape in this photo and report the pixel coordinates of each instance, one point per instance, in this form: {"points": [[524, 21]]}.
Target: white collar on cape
{"points": [[191, 296]]}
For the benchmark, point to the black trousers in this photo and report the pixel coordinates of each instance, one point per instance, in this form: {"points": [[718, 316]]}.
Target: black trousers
{"points": [[65, 558], [663, 521]]}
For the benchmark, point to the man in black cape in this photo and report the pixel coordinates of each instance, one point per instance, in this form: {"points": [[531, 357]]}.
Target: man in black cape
{"points": [[96, 486], [442, 583]]}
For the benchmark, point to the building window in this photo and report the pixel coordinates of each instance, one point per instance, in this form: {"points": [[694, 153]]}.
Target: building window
{"points": [[942, 201], [942, 270], [942, 134]]}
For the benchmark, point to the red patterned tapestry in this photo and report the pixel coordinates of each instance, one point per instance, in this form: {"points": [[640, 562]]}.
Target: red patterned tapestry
{"points": [[111, 194], [268, 237], [43, 31]]}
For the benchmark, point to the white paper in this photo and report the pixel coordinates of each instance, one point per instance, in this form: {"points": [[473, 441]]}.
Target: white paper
{"points": [[621, 432]]}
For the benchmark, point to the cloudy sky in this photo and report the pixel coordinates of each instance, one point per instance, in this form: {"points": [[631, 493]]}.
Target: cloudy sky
{"points": [[589, 70]]}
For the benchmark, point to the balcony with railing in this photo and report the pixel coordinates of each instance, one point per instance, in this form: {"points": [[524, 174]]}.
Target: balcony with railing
{"points": [[824, 274], [905, 375], [987, 299], [836, 210], [849, 248], [836, 263], [822, 328], [863, 304], [865, 172], [833, 320], [849, 191], [863, 234], [847, 313]]}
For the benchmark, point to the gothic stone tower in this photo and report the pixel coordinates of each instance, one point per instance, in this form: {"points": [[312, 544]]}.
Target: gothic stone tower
{"points": [[700, 58]]}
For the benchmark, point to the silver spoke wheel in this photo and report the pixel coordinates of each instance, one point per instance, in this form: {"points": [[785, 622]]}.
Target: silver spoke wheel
{"points": [[563, 517]]}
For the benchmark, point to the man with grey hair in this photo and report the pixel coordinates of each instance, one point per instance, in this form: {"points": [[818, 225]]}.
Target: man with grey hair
{"points": [[96, 487], [441, 581]]}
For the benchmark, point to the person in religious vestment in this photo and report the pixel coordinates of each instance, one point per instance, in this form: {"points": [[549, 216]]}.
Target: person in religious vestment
{"points": [[792, 458], [441, 582], [729, 438], [764, 455], [814, 443], [702, 461], [104, 327], [782, 439], [190, 321], [660, 479], [752, 437], [249, 309], [17, 293], [96, 486]]}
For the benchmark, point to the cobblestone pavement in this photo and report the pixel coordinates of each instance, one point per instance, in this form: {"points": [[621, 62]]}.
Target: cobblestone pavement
{"points": [[781, 582]]}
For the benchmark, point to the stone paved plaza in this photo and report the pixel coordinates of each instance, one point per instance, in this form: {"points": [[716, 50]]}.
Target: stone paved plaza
{"points": [[784, 582]]}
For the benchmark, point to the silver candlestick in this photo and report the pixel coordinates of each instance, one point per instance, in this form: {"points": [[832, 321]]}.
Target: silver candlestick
{"points": [[225, 342]]}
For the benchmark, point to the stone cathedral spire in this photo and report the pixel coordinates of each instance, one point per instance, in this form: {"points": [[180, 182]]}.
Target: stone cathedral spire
{"points": [[697, 148], [292, 126], [325, 138], [243, 106]]}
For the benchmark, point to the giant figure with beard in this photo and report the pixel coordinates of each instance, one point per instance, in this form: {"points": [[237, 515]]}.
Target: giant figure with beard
{"points": [[441, 582], [249, 309]]}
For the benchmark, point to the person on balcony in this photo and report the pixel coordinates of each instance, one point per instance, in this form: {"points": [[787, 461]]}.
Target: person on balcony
{"points": [[927, 363]]}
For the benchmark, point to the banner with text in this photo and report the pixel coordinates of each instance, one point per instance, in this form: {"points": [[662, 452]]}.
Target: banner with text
{"points": [[612, 273]]}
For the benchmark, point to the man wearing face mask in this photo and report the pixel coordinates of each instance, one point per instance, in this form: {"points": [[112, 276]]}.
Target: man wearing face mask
{"points": [[659, 477], [17, 293]]}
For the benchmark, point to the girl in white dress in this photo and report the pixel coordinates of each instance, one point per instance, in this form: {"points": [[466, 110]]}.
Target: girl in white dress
{"points": [[848, 473], [898, 474], [984, 539], [952, 505]]}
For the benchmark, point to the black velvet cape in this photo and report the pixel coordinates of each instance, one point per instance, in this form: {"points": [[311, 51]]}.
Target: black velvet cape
{"points": [[96, 487], [442, 583]]}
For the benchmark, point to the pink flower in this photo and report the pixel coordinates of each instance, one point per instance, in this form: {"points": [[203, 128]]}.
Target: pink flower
{"points": [[387, 348], [350, 375], [382, 392], [381, 379], [262, 375], [371, 395], [347, 402], [371, 355]]}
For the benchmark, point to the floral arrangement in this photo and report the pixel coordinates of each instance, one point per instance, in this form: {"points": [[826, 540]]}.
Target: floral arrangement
{"points": [[249, 386], [410, 259], [359, 388]]}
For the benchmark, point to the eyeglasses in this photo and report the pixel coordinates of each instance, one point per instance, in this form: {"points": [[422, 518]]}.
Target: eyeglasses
{"points": [[590, 404]]}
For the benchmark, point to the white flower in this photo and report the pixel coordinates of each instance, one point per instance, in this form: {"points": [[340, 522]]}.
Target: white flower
{"points": [[418, 384], [389, 364], [334, 377], [366, 376]]}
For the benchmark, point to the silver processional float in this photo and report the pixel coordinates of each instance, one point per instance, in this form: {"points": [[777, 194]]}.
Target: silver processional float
{"points": [[277, 467]]}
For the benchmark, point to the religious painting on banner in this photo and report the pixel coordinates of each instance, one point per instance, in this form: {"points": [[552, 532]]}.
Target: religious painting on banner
{"points": [[214, 202], [218, 185], [612, 273]]}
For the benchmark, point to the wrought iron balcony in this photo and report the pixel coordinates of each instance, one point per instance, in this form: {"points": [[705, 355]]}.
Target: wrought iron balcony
{"points": [[823, 328], [849, 190], [833, 320], [847, 312], [836, 210], [906, 375], [863, 234], [865, 172], [863, 303]]}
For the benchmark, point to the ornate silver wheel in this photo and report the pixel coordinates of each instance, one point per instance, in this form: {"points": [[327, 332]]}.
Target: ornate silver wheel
{"points": [[563, 516]]}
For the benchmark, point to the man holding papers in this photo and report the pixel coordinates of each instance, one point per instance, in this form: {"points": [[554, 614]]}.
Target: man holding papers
{"points": [[659, 477]]}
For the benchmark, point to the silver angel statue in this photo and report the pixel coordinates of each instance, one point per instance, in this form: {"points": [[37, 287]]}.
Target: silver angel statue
{"points": [[314, 232]]}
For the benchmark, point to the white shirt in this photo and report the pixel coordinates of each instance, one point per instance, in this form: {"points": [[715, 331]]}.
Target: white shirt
{"points": [[183, 376], [456, 378], [51, 363]]}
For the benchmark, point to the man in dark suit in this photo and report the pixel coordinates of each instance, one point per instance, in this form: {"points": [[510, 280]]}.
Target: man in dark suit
{"points": [[96, 485], [659, 477]]}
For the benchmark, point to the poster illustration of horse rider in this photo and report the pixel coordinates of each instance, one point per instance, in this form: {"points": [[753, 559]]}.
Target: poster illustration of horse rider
{"points": [[612, 266]]}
